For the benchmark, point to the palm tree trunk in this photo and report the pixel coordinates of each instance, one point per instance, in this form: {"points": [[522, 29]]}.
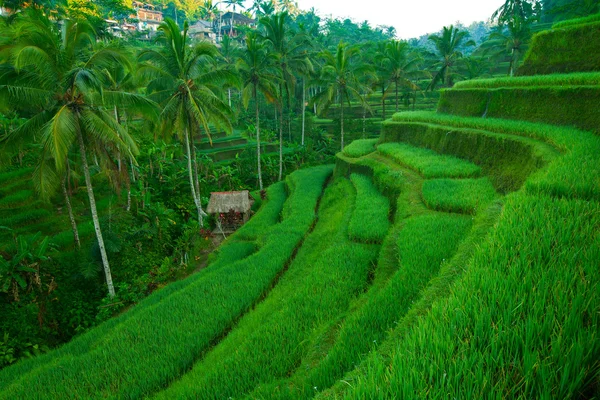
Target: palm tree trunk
{"points": [[71, 216], [229, 96], [383, 100], [260, 182], [195, 163], [281, 147], [342, 118], [396, 96], [196, 197], [90, 190], [303, 107]]}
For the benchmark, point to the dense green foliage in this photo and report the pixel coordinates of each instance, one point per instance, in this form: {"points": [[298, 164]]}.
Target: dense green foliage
{"points": [[370, 218], [573, 48], [428, 163], [577, 21]]}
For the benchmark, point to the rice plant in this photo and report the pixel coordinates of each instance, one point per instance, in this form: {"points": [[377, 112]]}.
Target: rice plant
{"points": [[458, 195], [360, 147], [574, 79], [370, 218], [429, 163]]}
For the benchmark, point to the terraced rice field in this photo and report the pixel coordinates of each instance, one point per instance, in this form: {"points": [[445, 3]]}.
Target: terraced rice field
{"points": [[454, 257]]}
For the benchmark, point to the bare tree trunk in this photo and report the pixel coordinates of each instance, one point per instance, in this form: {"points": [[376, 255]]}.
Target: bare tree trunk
{"points": [[71, 216], [229, 96], [303, 107], [90, 190], [196, 197], [260, 182]]}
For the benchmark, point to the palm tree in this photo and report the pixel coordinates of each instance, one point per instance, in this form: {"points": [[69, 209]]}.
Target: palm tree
{"points": [[448, 47], [291, 57], [230, 52], [257, 67], [57, 78], [401, 65], [185, 83], [512, 39], [340, 77]]}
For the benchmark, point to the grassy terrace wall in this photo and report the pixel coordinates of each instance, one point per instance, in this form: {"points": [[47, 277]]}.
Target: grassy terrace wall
{"points": [[514, 159], [553, 105], [570, 48]]}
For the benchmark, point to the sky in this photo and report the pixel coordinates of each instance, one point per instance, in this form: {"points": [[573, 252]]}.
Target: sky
{"points": [[411, 18]]}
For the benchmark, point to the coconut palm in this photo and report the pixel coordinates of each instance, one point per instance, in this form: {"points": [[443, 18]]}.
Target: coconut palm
{"points": [[229, 51], [512, 39], [185, 82], [259, 74], [448, 46], [340, 79], [402, 66], [57, 78], [292, 58]]}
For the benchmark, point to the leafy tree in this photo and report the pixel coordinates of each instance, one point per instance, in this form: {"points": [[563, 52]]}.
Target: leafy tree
{"points": [[257, 67], [522, 9], [57, 77], [448, 45], [185, 83], [340, 77]]}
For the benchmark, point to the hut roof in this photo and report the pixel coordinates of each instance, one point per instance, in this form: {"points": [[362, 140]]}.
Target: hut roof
{"points": [[222, 202]]}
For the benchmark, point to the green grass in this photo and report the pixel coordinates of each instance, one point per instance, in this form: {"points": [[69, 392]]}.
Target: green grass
{"points": [[522, 321], [268, 216], [577, 21], [429, 163], [369, 222], [571, 48], [162, 339], [16, 199], [269, 341], [25, 217], [11, 176], [575, 174], [458, 195], [546, 104], [359, 148], [381, 308], [574, 79]]}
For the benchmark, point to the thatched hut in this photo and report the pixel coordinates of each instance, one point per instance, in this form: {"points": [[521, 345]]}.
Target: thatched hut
{"points": [[232, 209]]}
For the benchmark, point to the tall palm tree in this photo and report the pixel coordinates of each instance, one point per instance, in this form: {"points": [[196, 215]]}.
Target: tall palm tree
{"points": [[448, 46], [229, 52], [291, 57], [512, 39], [57, 78], [402, 66], [257, 67], [185, 82], [340, 79]]}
